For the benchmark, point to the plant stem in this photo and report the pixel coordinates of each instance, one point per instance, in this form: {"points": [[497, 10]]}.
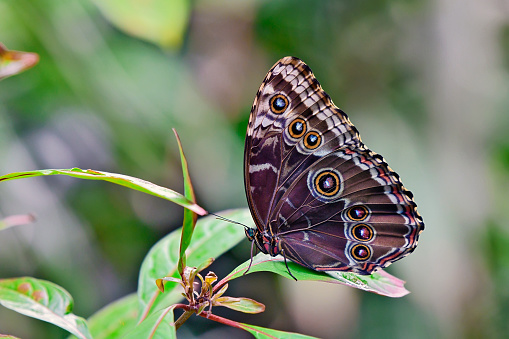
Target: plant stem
{"points": [[182, 319], [220, 320], [232, 323]]}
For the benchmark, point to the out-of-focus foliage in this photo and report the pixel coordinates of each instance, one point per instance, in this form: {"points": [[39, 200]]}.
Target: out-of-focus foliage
{"points": [[424, 82], [15, 220], [14, 62], [161, 22]]}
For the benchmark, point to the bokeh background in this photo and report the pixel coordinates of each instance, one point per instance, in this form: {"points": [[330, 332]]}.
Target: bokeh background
{"points": [[425, 82]]}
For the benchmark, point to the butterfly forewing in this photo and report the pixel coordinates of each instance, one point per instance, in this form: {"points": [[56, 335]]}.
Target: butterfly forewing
{"points": [[276, 155], [319, 196]]}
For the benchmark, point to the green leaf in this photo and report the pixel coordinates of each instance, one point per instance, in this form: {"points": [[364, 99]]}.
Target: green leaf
{"points": [[5, 336], [14, 62], [159, 325], [211, 238], [119, 179], [16, 220], [159, 21], [244, 305], [256, 331], [262, 332], [189, 216], [42, 300], [379, 282], [115, 320]]}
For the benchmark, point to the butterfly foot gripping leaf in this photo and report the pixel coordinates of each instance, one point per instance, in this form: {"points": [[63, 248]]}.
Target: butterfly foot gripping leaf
{"points": [[317, 194]]}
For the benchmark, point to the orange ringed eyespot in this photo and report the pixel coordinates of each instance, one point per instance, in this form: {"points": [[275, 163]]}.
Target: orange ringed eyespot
{"points": [[362, 232], [360, 252], [357, 213], [327, 183], [312, 140], [278, 103], [297, 128]]}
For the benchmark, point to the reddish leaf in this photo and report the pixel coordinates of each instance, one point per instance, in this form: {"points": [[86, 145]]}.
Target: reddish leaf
{"points": [[14, 62]]}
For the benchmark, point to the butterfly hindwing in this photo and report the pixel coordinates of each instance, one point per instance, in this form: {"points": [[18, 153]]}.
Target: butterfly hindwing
{"points": [[371, 211]]}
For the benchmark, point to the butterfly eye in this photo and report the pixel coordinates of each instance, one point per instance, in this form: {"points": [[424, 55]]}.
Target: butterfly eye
{"points": [[278, 103], [357, 213], [360, 252], [297, 128], [312, 140], [327, 183], [250, 233], [362, 232]]}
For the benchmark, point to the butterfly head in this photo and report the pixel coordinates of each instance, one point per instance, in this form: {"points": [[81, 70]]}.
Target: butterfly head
{"points": [[265, 242]]}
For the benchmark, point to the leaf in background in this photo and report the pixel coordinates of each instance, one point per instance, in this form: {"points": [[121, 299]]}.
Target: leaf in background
{"points": [[211, 238], [115, 320], [14, 62], [158, 325], [5, 336], [43, 300], [189, 216], [16, 220], [379, 282], [119, 179], [161, 22]]}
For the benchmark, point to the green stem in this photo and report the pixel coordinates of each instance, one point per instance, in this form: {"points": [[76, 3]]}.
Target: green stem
{"points": [[183, 318]]}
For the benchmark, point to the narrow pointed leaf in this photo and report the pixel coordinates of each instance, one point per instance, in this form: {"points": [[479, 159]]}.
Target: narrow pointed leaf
{"points": [[42, 300], [221, 291], [119, 179], [189, 216], [244, 305], [211, 238], [16, 220], [14, 62], [379, 282], [205, 264]]}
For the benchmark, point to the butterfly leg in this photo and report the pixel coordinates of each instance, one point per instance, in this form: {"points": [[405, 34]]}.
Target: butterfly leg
{"points": [[251, 262], [286, 264]]}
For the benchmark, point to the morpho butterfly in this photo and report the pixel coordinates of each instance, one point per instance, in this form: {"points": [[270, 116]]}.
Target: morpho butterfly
{"points": [[317, 194]]}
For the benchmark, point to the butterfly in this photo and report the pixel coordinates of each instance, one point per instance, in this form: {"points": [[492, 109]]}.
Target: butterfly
{"points": [[319, 197]]}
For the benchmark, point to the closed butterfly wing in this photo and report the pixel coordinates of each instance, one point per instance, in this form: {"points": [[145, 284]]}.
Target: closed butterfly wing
{"points": [[317, 194]]}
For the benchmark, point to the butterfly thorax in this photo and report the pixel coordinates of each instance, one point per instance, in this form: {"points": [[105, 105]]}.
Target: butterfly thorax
{"points": [[264, 241]]}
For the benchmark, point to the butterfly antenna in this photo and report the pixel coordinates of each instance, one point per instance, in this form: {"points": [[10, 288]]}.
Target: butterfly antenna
{"points": [[286, 264], [228, 220]]}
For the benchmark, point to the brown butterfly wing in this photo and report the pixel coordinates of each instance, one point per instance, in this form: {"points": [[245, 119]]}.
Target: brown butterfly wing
{"points": [[307, 171]]}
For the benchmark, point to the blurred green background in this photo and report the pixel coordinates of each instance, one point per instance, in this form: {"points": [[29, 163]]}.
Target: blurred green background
{"points": [[425, 82]]}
